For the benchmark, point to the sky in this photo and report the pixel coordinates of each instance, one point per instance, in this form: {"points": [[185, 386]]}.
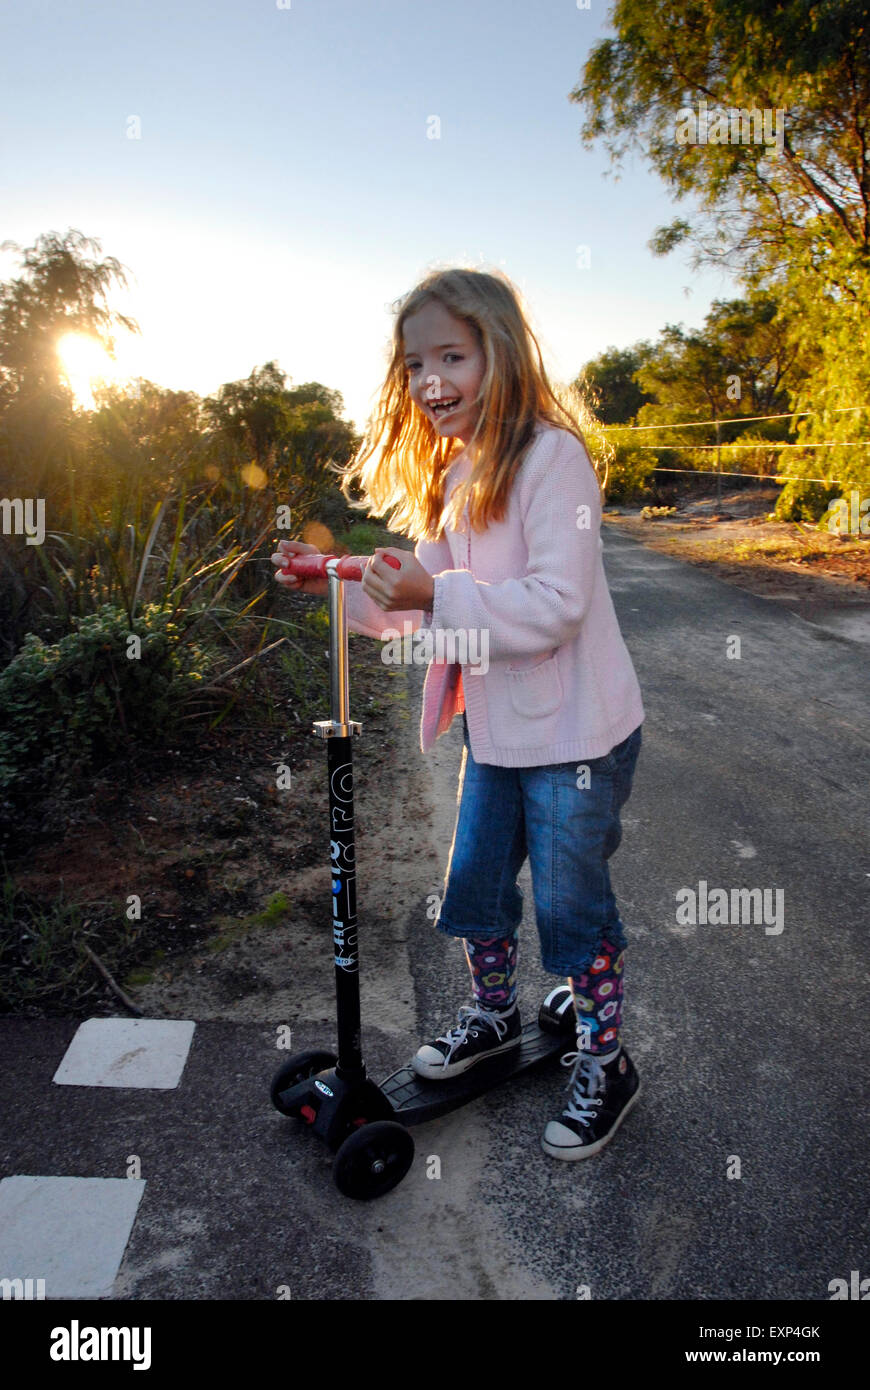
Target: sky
{"points": [[265, 171]]}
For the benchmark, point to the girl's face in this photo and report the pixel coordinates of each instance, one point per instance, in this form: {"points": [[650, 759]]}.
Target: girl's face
{"points": [[446, 364]]}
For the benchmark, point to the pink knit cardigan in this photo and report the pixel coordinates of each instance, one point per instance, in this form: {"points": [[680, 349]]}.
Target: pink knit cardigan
{"points": [[560, 683]]}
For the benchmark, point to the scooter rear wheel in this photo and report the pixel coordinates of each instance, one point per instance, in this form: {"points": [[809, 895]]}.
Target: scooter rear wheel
{"points": [[373, 1160], [300, 1067]]}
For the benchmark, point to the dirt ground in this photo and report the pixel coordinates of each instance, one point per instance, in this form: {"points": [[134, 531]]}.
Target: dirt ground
{"points": [[232, 872]]}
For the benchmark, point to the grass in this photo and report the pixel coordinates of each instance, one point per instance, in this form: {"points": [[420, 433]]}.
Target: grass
{"points": [[276, 910], [362, 537], [801, 546], [42, 963]]}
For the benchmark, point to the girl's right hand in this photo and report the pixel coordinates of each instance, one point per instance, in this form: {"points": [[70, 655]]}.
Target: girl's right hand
{"points": [[287, 549]]}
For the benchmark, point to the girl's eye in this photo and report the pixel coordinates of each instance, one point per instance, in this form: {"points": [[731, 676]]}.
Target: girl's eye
{"points": [[413, 366]]}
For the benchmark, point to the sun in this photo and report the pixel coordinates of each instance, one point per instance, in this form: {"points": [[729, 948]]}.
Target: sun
{"points": [[86, 364]]}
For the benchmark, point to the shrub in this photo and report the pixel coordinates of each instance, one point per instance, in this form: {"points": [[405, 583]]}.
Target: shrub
{"points": [[76, 703], [361, 538], [804, 501]]}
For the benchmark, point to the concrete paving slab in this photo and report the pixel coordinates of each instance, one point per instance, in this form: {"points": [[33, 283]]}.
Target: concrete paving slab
{"points": [[70, 1233], [144, 1052]]}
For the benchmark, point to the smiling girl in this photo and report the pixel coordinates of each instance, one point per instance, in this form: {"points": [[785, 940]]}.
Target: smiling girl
{"points": [[473, 456]]}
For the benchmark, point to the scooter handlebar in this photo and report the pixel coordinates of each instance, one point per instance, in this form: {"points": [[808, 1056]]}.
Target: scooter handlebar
{"points": [[348, 567]]}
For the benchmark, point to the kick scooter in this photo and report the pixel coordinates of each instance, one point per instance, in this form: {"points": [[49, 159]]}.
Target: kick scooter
{"points": [[365, 1125]]}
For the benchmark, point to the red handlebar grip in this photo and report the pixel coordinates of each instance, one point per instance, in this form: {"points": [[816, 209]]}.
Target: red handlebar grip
{"points": [[314, 566]]}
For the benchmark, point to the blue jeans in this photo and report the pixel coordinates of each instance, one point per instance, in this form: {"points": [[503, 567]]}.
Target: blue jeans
{"points": [[568, 833]]}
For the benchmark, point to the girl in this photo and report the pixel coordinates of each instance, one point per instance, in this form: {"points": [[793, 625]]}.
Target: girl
{"points": [[483, 467]]}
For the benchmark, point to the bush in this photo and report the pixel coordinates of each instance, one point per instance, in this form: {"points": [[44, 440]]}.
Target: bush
{"points": [[335, 512], [804, 501], [630, 470], [362, 538], [77, 703]]}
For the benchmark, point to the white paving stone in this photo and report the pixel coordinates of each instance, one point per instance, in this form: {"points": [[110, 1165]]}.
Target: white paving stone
{"points": [[147, 1052], [71, 1232]]}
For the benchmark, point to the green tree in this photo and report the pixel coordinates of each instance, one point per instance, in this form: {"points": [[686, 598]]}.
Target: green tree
{"points": [[830, 325], [292, 436], [788, 208], [740, 363], [611, 381], [810, 60]]}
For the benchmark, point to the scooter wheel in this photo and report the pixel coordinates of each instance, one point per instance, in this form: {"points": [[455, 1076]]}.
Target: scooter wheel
{"points": [[373, 1160], [297, 1068], [556, 1014]]}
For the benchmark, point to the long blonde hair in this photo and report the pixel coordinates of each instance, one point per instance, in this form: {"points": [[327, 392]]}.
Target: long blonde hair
{"points": [[402, 461]]}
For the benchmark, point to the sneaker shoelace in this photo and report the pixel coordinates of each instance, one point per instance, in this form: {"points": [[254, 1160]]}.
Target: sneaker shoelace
{"points": [[586, 1085], [468, 1015]]}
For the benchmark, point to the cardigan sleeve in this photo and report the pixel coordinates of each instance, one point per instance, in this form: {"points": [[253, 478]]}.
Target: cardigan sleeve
{"points": [[364, 615], [536, 612]]}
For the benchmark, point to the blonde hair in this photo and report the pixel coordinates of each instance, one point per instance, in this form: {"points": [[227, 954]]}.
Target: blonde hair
{"points": [[402, 462]]}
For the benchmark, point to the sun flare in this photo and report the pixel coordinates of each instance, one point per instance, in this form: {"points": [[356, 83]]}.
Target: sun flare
{"points": [[86, 365]]}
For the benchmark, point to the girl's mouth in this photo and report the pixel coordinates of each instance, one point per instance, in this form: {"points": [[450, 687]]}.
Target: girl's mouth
{"points": [[440, 408]]}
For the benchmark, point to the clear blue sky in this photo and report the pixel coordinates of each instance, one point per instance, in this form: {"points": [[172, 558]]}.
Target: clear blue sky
{"points": [[284, 192]]}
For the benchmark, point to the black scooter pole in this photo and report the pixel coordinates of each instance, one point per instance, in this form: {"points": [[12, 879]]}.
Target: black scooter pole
{"points": [[339, 732]]}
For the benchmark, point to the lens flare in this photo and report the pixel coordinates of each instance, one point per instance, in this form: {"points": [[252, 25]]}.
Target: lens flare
{"points": [[86, 365]]}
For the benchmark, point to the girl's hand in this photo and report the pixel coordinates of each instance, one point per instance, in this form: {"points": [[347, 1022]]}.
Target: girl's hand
{"points": [[286, 550], [411, 586]]}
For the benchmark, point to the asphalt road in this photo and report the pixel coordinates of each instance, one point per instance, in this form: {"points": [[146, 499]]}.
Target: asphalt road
{"points": [[751, 1044]]}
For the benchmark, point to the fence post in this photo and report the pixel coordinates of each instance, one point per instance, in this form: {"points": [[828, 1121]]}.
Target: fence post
{"points": [[718, 465]]}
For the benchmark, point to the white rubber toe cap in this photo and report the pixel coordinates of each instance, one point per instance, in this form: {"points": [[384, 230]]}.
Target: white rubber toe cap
{"points": [[560, 1135], [428, 1061], [560, 1142]]}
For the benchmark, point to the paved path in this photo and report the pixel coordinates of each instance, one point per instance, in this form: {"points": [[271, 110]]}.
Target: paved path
{"points": [[751, 1043]]}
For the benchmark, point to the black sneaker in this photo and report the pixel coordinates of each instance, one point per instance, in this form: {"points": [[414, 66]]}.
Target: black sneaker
{"points": [[480, 1033], [601, 1097]]}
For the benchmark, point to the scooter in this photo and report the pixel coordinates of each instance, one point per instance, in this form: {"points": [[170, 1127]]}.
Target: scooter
{"points": [[365, 1125]]}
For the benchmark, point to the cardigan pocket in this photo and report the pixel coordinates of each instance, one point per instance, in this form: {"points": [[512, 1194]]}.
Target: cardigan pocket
{"points": [[536, 691]]}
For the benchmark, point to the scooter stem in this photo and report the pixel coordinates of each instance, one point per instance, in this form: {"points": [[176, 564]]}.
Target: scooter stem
{"points": [[339, 697], [339, 731]]}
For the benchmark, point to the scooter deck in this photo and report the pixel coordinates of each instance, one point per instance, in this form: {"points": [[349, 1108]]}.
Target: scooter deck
{"points": [[414, 1099]]}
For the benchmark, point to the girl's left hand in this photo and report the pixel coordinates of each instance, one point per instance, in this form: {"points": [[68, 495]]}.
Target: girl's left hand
{"points": [[411, 586]]}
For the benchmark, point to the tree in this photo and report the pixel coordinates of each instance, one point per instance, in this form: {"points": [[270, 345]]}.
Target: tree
{"points": [[610, 380], [830, 326], [63, 289], [740, 363], [291, 435], [811, 61], [787, 204]]}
